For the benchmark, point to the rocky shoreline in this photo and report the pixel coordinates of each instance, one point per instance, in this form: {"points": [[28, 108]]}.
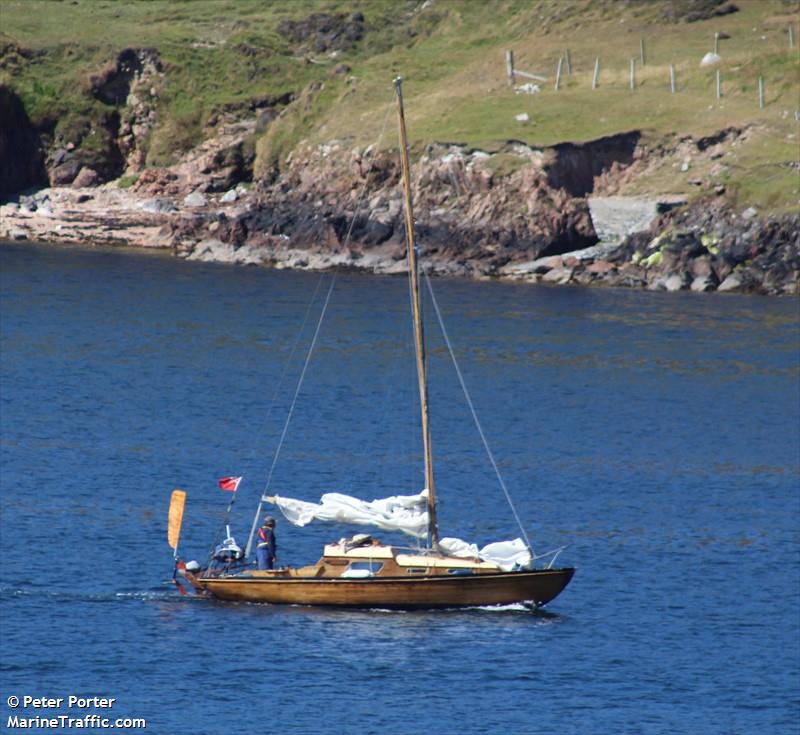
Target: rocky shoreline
{"points": [[545, 220]]}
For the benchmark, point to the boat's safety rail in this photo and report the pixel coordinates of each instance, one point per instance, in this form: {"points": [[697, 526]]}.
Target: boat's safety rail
{"points": [[554, 553]]}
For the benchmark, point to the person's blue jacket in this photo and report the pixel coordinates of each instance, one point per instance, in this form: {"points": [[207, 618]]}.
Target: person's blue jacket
{"points": [[266, 543]]}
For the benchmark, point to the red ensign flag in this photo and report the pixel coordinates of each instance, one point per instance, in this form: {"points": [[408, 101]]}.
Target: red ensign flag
{"points": [[229, 483]]}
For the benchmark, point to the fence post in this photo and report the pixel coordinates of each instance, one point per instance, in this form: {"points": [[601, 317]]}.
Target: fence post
{"points": [[596, 72], [641, 51], [510, 66], [761, 93], [719, 84], [791, 36], [716, 42], [569, 62], [558, 72], [633, 73], [672, 78]]}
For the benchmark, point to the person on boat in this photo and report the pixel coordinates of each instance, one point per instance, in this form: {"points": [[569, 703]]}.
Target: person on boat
{"points": [[266, 547]]}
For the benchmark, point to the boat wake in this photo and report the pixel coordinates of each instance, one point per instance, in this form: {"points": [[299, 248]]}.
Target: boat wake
{"points": [[160, 594], [515, 608]]}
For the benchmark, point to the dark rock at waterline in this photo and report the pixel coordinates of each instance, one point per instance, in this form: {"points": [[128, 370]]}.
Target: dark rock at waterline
{"points": [[718, 248], [464, 214], [364, 229]]}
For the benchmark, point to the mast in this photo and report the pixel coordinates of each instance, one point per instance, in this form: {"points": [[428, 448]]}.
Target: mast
{"points": [[419, 336]]}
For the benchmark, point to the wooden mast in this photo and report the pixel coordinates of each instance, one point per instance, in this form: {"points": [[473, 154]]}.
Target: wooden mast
{"points": [[419, 338]]}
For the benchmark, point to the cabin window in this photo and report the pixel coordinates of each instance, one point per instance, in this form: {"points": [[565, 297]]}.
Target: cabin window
{"points": [[362, 569], [459, 571], [416, 570]]}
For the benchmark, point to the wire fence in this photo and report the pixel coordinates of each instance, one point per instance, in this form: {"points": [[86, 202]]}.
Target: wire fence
{"points": [[713, 75]]}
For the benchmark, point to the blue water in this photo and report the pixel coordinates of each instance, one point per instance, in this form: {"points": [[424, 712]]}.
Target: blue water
{"points": [[655, 435]]}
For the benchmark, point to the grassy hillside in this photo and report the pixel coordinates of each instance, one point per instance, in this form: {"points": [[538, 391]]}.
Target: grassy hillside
{"points": [[220, 54]]}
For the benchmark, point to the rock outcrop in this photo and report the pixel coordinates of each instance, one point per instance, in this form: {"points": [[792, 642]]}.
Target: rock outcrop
{"points": [[477, 216], [711, 246], [96, 145], [138, 77], [691, 11], [469, 221], [324, 32]]}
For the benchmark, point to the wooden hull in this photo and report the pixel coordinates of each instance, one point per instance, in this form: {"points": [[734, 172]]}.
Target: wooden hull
{"points": [[501, 588]]}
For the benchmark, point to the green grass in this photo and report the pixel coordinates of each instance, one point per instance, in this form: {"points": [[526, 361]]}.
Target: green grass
{"points": [[127, 181], [216, 53], [468, 100], [451, 53]]}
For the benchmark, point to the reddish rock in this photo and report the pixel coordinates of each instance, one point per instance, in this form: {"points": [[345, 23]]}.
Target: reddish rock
{"points": [[546, 264], [701, 267], [64, 173], [629, 269], [86, 177], [157, 182], [558, 275], [601, 267]]}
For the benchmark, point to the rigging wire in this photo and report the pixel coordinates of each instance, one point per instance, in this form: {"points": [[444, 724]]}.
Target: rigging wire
{"points": [[345, 244], [475, 415], [299, 385], [289, 416], [226, 515], [291, 356]]}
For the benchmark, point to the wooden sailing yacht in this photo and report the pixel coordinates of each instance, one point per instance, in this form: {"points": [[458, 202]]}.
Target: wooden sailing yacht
{"points": [[362, 571]]}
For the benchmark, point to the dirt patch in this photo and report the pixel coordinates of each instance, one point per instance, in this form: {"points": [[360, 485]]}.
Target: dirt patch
{"points": [[577, 165], [691, 11]]}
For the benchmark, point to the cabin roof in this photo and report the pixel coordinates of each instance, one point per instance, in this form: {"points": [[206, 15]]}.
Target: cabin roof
{"points": [[379, 551], [409, 560], [359, 552]]}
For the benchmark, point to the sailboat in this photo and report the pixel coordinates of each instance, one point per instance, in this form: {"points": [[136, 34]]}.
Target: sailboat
{"points": [[361, 571]]}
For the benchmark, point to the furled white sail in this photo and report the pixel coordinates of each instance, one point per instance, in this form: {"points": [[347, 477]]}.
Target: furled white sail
{"points": [[507, 555], [406, 513]]}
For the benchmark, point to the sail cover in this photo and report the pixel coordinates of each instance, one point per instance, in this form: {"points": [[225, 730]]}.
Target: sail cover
{"points": [[406, 513], [507, 555]]}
